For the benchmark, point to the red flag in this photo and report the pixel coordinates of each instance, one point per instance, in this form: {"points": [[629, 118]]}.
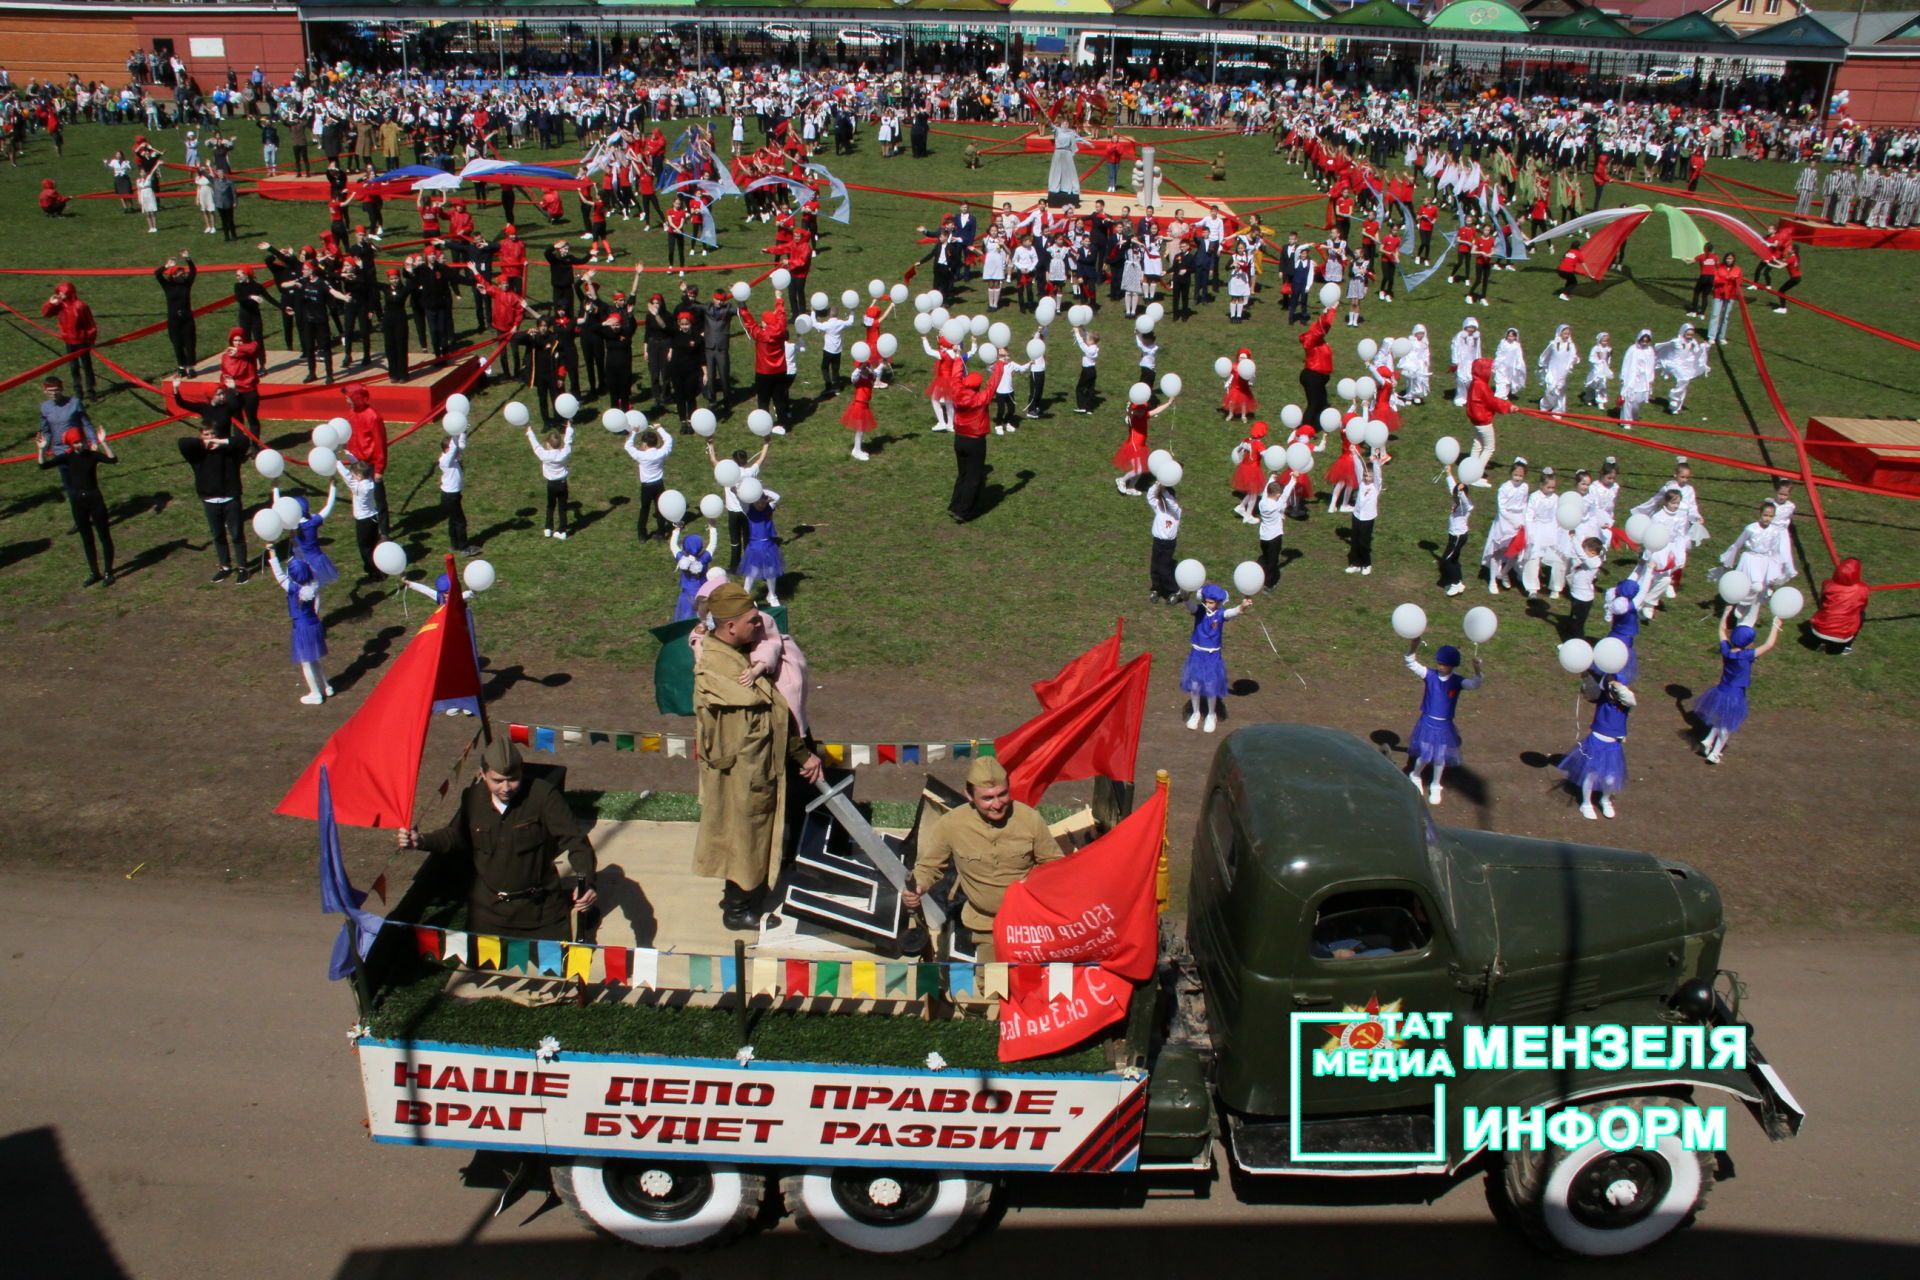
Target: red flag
{"points": [[1603, 246], [1090, 668], [1044, 920], [1095, 732], [373, 760]]}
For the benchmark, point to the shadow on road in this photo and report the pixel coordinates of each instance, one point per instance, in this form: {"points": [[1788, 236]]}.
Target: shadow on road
{"points": [[45, 1220]]}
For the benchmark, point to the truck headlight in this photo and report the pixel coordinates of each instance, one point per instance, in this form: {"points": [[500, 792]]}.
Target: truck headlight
{"points": [[1693, 1000]]}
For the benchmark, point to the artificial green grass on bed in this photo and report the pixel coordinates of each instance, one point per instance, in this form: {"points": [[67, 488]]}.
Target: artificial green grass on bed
{"points": [[418, 1010]]}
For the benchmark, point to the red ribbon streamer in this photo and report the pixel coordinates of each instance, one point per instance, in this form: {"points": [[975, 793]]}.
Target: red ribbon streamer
{"points": [[1786, 420], [1835, 315]]}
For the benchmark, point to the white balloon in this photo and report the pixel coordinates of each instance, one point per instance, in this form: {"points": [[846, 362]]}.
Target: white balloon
{"points": [[1330, 419], [987, 353], [803, 324], [1367, 349], [1143, 324], [1658, 536], [479, 576], [940, 317], [614, 420], [390, 558], [516, 414], [760, 422], [897, 294], [703, 422], [1637, 526], [1290, 416], [1787, 602], [923, 323], [999, 334], [1329, 295], [726, 473], [850, 299], [1044, 311], [267, 525], [1447, 450], [1576, 656], [322, 461], [1171, 474], [1080, 317], [978, 326], [1365, 387], [821, 301], [1469, 470], [456, 403], [1158, 459], [1223, 367], [1375, 434], [1480, 624], [1246, 369], [322, 436], [341, 430], [566, 405], [750, 490], [876, 288], [862, 353], [270, 463], [636, 420], [1190, 575], [289, 512], [955, 330], [1170, 385], [780, 279], [672, 506], [454, 424], [741, 290], [1735, 586], [889, 346], [1139, 393], [1355, 431], [713, 506], [1611, 654], [1347, 389], [1036, 349], [1409, 621], [1402, 348], [1571, 511], [940, 299], [1157, 311], [1249, 579], [1299, 458], [1274, 458]]}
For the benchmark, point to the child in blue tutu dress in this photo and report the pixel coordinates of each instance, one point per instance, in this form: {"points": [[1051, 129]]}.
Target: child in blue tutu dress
{"points": [[1724, 707], [1598, 765], [309, 643], [1204, 678], [762, 558], [306, 538], [1435, 740], [1623, 624], [692, 557]]}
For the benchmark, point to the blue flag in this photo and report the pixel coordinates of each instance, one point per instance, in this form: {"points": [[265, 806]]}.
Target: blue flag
{"points": [[337, 894]]}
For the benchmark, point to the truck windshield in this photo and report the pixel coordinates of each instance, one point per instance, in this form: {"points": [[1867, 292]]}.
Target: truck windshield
{"points": [[1440, 865]]}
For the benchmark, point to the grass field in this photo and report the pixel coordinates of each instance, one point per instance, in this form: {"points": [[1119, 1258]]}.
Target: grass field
{"points": [[881, 578]]}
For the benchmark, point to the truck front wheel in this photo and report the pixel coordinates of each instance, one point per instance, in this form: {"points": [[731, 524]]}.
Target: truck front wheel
{"points": [[901, 1212], [1596, 1202], [661, 1204]]}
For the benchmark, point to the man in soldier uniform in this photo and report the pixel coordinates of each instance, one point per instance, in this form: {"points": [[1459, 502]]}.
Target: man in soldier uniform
{"points": [[989, 845], [513, 827]]}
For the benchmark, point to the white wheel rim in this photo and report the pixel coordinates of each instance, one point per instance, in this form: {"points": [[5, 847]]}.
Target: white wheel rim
{"points": [[948, 1204], [1682, 1193], [710, 1219]]}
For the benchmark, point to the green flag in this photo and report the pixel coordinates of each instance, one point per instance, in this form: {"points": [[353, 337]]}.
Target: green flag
{"points": [[673, 669], [1684, 234]]}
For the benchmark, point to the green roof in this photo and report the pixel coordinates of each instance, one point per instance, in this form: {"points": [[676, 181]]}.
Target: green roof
{"points": [[1165, 9], [969, 6], [1271, 11], [848, 4], [1061, 6], [1804, 31], [1478, 15], [1585, 22], [745, 4], [1378, 13], [1694, 28]]}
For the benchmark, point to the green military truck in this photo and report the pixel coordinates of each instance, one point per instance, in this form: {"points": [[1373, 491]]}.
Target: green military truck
{"points": [[1358, 992]]}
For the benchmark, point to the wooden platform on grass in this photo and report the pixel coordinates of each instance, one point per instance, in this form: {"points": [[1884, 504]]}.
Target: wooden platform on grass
{"points": [[286, 395], [1897, 468]]}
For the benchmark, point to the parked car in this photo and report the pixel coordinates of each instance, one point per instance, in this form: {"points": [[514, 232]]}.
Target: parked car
{"points": [[784, 32], [866, 38]]}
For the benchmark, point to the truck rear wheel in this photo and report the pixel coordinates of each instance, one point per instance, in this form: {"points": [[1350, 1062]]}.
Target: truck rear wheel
{"points": [[661, 1204], [902, 1212], [1595, 1202]]}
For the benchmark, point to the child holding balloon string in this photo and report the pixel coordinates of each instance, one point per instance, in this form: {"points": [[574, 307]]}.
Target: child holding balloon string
{"points": [[1249, 476], [554, 455], [692, 559], [1459, 513], [309, 640], [1204, 678], [1597, 765], [1238, 402], [1131, 456], [1366, 511], [305, 537], [357, 475], [1435, 741], [761, 559], [1723, 708]]}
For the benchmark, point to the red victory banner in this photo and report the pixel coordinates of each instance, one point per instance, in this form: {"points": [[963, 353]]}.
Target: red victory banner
{"points": [[1093, 667], [1094, 732], [1091, 914]]}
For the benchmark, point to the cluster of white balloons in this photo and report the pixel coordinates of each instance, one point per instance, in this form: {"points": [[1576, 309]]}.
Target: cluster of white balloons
{"points": [[1370, 432], [1609, 656], [1479, 624], [1162, 466], [618, 420], [1641, 529], [276, 520], [1225, 366], [1370, 350]]}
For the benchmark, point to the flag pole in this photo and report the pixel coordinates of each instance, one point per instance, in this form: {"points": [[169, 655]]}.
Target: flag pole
{"points": [[1162, 873]]}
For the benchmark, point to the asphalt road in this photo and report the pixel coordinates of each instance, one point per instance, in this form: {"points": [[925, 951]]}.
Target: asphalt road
{"points": [[177, 1098]]}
